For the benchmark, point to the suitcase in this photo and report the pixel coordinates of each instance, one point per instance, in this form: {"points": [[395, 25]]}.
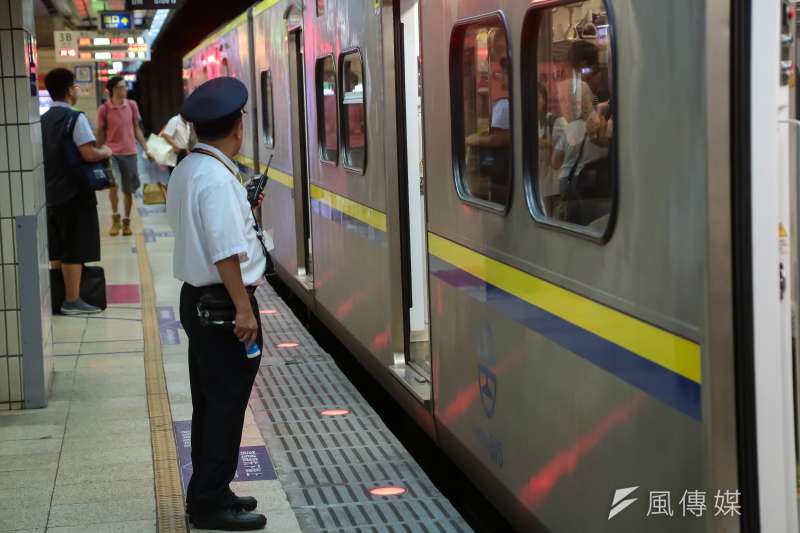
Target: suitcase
{"points": [[93, 287]]}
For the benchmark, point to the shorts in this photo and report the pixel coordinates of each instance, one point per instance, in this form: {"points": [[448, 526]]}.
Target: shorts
{"points": [[73, 231], [126, 168]]}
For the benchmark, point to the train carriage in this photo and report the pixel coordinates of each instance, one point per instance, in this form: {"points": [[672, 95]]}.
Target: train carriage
{"points": [[530, 222]]}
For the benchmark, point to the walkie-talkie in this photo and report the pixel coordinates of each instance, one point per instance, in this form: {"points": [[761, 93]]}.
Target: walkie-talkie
{"points": [[256, 185]]}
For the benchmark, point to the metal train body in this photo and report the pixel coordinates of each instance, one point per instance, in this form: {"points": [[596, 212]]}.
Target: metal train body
{"points": [[555, 364]]}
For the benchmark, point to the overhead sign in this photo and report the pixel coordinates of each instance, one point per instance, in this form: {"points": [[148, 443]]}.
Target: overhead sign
{"points": [[90, 47], [66, 46], [116, 20], [151, 4]]}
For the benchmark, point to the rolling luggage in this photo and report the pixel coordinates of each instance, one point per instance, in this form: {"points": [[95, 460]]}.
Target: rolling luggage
{"points": [[93, 287]]}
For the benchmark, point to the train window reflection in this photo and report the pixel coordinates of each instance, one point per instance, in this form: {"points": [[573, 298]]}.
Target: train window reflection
{"points": [[354, 128], [569, 107], [266, 108], [326, 110], [481, 112]]}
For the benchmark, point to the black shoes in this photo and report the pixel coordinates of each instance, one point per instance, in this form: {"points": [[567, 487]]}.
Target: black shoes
{"points": [[248, 503], [230, 520]]}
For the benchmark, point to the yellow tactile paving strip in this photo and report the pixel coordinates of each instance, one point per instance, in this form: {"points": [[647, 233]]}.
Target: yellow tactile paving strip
{"points": [[170, 512]]}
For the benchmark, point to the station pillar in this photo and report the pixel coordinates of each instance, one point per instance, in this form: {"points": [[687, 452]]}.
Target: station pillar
{"points": [[25, 315]]}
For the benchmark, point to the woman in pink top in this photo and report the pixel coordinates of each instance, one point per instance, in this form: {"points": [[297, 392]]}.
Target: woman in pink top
{"points": [[118, 126]]}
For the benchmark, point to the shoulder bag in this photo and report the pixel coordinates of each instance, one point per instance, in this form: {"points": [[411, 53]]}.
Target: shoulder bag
{"points": [[95, 176]]}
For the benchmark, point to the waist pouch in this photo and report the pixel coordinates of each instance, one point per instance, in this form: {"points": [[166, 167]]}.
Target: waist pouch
{"points": [[215, 308]]}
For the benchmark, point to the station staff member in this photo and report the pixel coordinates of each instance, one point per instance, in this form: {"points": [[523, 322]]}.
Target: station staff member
{"points": [[216, 243]]}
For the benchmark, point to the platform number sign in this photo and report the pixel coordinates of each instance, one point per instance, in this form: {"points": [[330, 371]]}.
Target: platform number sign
{"points": [[66, 46]]}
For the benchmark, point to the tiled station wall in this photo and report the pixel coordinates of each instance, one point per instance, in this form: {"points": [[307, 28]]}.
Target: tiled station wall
{"points": [[21, 193]]}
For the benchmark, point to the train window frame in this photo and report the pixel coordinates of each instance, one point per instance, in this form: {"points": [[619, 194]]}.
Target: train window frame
{"points": [[529, 49], [268, 109], [321, 110], [457, 106], [344, 147]]}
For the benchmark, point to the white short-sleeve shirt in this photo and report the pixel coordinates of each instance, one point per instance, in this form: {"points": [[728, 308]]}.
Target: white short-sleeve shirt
{"points": [[178, 129], [209, 213], [83, 133], [501, 116]]}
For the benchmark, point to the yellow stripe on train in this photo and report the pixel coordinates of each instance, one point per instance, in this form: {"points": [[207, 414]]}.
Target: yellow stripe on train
{"points": [[275, 174], [661, 347], [365, 214]]}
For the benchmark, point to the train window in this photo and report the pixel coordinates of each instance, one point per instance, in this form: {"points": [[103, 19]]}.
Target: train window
{"points": [[266, 108], [481, 112], [354, 127], [570, 113], [326, 110]]}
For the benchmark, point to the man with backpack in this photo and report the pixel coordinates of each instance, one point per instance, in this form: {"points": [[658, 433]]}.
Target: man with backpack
{"points": [[73, 229]]}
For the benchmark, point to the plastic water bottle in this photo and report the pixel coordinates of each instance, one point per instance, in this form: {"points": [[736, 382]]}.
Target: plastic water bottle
{"points": [[253, 351]]}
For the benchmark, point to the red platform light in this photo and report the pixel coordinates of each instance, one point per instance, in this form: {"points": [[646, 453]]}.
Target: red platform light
{"points": [[335, 412], [268, 312], [388, 491], [288, 345]]}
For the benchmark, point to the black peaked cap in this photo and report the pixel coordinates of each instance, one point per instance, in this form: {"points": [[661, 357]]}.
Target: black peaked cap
{"points": [[215, 100]]}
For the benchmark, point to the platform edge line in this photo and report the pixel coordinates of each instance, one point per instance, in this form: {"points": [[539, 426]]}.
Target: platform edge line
{"points": [[170, 510]]}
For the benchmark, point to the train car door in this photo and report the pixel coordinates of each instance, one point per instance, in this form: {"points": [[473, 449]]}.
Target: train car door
{"points": [[406, 207], [773, 483], [417, 265], [302, 200]]}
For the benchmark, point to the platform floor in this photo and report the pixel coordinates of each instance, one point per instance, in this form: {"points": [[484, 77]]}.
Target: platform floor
{"points": [[86, 462]]}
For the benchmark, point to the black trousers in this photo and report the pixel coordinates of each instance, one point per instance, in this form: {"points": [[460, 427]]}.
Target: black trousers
{"points": [[221, 378]]}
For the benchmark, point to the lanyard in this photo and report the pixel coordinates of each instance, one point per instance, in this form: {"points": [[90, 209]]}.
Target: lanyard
{"points": [[236, 175], [256, 226]]}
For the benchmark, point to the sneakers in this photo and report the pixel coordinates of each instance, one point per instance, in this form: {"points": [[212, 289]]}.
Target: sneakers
{"points": [[126, 227], [79, 307], [115, 226]]}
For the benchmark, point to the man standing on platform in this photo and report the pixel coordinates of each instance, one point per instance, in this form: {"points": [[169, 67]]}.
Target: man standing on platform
{"points": [[73, 231], [178, 134], [118, 125], [218, 253]]}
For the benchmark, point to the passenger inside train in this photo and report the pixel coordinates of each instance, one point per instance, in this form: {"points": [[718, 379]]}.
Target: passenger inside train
{"points": [[575, 178]]}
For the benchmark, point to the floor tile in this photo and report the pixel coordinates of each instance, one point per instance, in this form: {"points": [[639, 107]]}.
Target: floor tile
{"points": [[73, 474], [112, 330], [111, 347], [15, 447], [105, 457], [93, 492], [65, 362], [28, 461], [29, 432], [20, 497], [139, 526], [81, 443], [66, 348], [68, 329], [21, 518], [102, 512], [40, 479], [91, 428]]}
